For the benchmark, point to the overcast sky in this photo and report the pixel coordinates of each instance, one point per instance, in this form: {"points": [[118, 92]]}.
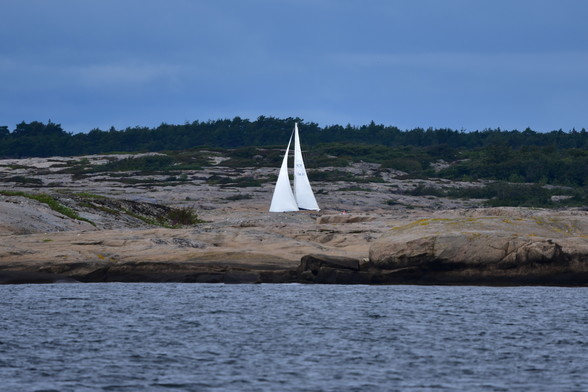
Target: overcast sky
{"points": [[462, 64]]}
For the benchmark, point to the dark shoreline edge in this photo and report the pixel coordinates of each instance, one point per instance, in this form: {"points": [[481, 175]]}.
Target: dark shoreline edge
{"points": [[21, 278], [313, 269]]}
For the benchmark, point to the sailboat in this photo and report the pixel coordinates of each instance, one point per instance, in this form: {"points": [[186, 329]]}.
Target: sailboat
{"points": [[302, 198]]}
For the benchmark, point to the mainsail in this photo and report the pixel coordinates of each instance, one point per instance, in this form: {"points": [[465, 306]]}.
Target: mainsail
{"points": [[283, 199], [302, 198]]}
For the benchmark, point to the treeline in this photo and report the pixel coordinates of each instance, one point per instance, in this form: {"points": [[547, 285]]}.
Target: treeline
{"points": [[556, 158], [37, 139]]}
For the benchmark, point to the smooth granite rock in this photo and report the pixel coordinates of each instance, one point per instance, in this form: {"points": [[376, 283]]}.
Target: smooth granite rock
{"points": [[493, 249]]}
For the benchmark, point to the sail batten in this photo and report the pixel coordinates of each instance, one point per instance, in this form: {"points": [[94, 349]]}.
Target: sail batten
{"points": [[284, 199]]}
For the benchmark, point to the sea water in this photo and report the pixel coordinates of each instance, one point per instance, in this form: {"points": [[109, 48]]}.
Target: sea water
{"points": [[201, 337]]}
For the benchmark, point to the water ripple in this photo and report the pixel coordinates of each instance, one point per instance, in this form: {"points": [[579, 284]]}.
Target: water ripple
{"points": [[160, 337]]}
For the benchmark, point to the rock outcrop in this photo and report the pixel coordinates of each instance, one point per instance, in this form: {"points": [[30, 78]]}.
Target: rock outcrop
{"points": [[539, 249], [117, 227], [319, 268]]}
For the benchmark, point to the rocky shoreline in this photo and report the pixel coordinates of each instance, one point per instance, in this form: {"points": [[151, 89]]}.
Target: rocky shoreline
{"points": [[358, 239], [329, 270]]}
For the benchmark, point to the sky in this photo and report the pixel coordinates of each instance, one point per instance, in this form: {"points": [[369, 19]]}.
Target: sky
{"points": [[461, 64]]}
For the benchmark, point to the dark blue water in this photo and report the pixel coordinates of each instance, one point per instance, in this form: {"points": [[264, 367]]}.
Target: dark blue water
{"points": [[196, 337]]}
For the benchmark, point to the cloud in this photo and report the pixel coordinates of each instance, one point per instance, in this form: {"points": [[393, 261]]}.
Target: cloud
{"points": [[124, 75], [555, 63], [419, 63]]}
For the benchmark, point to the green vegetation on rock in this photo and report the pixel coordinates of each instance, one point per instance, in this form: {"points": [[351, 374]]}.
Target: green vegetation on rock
{"points": [[49, 201], [503, 194], [498, 157]]}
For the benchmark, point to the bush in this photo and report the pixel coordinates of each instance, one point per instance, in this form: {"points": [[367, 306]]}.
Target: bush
{"points": [[147, 163], [408, 165], [503, 194], [423, 190], [183, 216]]}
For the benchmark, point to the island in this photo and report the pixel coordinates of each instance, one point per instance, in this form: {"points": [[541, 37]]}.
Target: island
{"points": [[62, 220]]}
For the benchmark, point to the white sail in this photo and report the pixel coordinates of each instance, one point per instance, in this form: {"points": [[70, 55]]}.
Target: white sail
{"points": [[302, 190], [283, 199]]}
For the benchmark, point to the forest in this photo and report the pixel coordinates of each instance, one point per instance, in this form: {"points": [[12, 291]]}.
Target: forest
{"points": [[556, 158]]}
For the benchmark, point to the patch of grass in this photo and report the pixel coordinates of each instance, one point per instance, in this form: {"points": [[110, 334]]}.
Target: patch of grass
{"points": [[15, 167], [51, 202], [241, 182], [503, 194], [172, 219], [192, 159], [253, 157], [125, 178], [180, 178], [148, 163], [423, 190], [331, 176], [149, 221], [87, 195], [23, 180], [144, 165], [393, 202], [354, 188], [409, 165], [99, 208], [133, 181], [239, 196], [340, 175]]}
